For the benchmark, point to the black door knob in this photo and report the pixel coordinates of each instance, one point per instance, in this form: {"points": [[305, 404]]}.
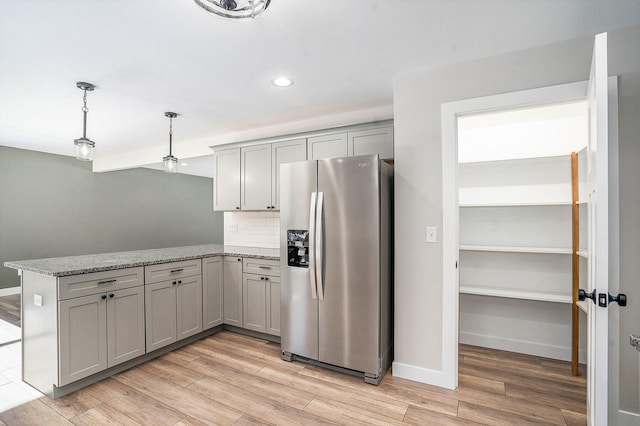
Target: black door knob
{"points": [[620, 299], [111, 295], [582, 295], [104, 296]]}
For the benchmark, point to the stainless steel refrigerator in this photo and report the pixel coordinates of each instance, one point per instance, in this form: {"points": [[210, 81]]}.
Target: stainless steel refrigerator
{"points": [[336, 260]]}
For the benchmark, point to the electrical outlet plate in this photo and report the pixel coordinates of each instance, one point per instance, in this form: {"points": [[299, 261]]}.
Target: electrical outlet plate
{"points": [[37, 300], [231, 227]]}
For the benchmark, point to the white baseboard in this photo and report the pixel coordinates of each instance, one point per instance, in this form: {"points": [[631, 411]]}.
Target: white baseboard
{"points": [[524, 347], [419, 374], [626, 418], [9, 291]]}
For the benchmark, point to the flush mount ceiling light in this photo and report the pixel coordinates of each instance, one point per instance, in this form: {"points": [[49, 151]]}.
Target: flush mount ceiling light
{"points": [[84, 146], [170, 162], [234, 9], [282, 81]]}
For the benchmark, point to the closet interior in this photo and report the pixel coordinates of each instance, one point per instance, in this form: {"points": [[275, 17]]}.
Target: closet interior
{"points": [[522, 230]]}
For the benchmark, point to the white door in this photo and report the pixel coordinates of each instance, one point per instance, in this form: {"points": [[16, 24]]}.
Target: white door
{"points": [[598, 236]]}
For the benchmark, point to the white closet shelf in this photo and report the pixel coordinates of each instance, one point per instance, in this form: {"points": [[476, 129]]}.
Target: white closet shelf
{"points": [[515, 204], [582, 304], [515, 249], [516, 294], [583, 253]]}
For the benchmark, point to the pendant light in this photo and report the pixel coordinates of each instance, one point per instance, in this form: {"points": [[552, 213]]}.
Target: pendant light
{"points": [[234, 9], [170, 162], [84, 146]]}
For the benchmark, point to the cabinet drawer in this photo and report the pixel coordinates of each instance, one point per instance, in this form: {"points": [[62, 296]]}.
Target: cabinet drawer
{"points": [[167, 271], [261, 266], [98, 282]]}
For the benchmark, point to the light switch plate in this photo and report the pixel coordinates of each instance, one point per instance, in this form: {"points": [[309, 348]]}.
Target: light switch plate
{"points": [[37, 300], [432, 234]]}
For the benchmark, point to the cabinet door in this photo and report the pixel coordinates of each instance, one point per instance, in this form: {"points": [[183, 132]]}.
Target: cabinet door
{"points": [[233, 291], [255, 172], [160, 314], [226, 191], [328, 146], [125, 325], [254, 293], [273, 306], [372, 141], [189, 306], [284, 152], [83, 337], [212, 294]]}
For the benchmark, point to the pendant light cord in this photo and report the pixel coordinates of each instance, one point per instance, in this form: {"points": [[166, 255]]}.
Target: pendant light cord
{"points": [[170, 133], [84, 110]]}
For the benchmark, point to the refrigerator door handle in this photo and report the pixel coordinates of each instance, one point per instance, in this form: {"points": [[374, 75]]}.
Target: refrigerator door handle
{"points": [[312, 238], [319, 246]]}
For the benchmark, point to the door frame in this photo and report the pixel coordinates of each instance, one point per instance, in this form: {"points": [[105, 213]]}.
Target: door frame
{"points": [[450, 221]]}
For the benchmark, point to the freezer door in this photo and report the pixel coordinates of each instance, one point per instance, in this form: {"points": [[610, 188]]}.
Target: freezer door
{"points": [[299, 307], [349, 309]]}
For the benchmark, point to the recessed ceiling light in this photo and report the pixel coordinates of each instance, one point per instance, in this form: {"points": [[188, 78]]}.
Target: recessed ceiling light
{"points": [[282, 82], [184, 164]]}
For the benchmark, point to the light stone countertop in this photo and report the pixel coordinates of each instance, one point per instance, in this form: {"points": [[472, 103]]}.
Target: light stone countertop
{"points": [[74, 265]]}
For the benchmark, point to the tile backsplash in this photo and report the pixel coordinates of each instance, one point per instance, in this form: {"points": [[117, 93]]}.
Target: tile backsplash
{"points": [[252, 229]]}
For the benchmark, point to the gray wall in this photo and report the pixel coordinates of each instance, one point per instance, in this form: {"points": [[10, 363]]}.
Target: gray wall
{"points": [[54, 205], [418, 183]]}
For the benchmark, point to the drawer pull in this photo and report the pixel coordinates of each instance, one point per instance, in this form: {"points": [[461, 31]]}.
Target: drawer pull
{"points": [[177, 270], [107, 281], [264, 267]]}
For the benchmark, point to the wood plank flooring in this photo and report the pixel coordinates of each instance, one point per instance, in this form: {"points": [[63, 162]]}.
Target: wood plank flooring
{"points": [[10, 309], [229, 378]]}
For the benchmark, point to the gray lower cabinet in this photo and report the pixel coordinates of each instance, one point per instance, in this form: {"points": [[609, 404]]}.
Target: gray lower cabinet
{"points": [[212, 291], [254, 293], [273, 306], [102, 329], [160, 302], [174, 306], [233, 291], [261, 296]]}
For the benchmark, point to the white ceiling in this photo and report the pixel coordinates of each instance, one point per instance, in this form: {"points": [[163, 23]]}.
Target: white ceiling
{"points": [[151, 56]]}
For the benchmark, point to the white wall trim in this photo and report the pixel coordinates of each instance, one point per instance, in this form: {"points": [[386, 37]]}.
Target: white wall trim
{"points": [[626, 418], [9, 291], [450, 251], [419, 374]]}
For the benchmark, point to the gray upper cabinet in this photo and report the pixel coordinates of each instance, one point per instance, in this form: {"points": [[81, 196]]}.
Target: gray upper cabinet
{"points": [[327, 146], [255, 172], [372, 141], [226, 192], [248, 177], [284, 152]]}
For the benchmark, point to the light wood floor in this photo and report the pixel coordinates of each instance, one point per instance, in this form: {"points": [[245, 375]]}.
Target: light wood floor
{"points": [[234, 379], [10, 309]]}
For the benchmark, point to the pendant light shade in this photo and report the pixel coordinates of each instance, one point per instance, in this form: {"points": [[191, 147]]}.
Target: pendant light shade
{"points": [[84, 146], [170, 162], [234, 9]]}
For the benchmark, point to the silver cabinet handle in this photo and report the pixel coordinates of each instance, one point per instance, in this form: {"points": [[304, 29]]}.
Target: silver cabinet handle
{"points": [[264, 267], [107, 281], [319, 246], [177, 270], [312, 238]]}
